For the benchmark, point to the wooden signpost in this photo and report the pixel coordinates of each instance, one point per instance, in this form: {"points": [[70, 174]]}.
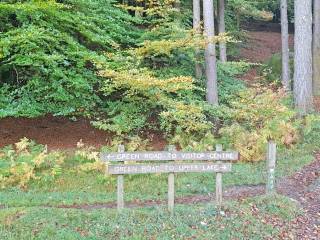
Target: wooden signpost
{"points": [[271, 164], [120, 183], [171, 176], [219, 182], [169, 162]]}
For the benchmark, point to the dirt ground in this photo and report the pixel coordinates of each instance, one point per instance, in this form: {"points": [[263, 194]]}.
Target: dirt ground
{"points": [[262, 45], [56, 132], [60, 132]]}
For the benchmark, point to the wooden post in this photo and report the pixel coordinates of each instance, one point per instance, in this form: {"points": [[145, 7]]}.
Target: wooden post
{"points": [[271, 164], [120, 183], [170, 192], [171, 185], [219, 182]]}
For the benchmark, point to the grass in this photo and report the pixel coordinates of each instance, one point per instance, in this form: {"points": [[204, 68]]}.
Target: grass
{"points": [[242, 220], [73, 187]]}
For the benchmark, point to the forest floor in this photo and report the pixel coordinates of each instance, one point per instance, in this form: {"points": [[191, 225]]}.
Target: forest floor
{"points": [[260, 47]]}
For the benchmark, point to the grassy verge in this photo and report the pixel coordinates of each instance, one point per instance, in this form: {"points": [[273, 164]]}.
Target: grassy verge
{"points": [[255, 218], [84, 188]]}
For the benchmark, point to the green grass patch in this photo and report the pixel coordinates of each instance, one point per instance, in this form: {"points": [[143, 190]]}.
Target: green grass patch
{"points": [[73, 187], [240, 221]]}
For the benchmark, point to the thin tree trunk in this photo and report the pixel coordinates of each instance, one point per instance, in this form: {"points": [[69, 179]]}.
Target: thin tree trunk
{"points": [[222, 29], [303, 56], [210, 52], [238, 17], [177, 4], [316, 48], [285, 46], [197, 31]]}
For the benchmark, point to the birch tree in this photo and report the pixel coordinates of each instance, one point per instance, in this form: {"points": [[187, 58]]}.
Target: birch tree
{"points": [[303, 56], [316, 48], [210, 52], [197, 31], [285, 45], [222, 29]]}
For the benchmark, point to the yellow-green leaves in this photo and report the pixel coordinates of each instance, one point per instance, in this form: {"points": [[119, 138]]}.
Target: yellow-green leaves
{"points": [[26, 162]]}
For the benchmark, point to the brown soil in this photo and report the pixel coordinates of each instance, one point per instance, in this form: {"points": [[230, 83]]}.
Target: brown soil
{"points": [[304, 187], [261, 46], [56, 132], [237, 192], [60, 132]]}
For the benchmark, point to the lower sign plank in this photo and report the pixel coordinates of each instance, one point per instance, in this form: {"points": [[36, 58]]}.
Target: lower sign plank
{"points": [[168, 168]]}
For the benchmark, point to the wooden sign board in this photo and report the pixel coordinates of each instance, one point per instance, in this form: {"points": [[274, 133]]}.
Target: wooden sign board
{"points": [[178, 166], [168, 168], [170, 156]]}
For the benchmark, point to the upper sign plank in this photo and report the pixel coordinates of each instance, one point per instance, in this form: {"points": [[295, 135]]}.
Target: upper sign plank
{"points": [[170, 156]]}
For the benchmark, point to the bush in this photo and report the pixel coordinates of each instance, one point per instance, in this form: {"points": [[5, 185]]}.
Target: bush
{"points": [[27, 161], [272, 70], [47, 50], [260, 115], [311, 128]]}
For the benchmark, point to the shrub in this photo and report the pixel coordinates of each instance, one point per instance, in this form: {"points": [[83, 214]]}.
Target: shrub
{"points": [[272, 70], [87, 159], [258, 116], [311, 128], [27, 161], [47, 50]]}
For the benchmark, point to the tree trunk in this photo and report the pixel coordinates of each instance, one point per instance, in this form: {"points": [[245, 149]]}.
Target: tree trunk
{"points": [[285, 46], [177, 5], [316, 48], [222, 29], [210, 52], [303, 56], [197, 32]]}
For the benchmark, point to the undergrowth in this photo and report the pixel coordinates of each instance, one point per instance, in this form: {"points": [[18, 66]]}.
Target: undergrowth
{"points": [[130, 75]]}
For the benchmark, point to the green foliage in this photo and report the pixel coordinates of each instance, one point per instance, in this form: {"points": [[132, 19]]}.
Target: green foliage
{"points": [[248, 9], [124, 117], [271, 71], [88, 58], [47, 50], [28, 161], [311, 129], [229, 85], [258, 116], [274, 7]]}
